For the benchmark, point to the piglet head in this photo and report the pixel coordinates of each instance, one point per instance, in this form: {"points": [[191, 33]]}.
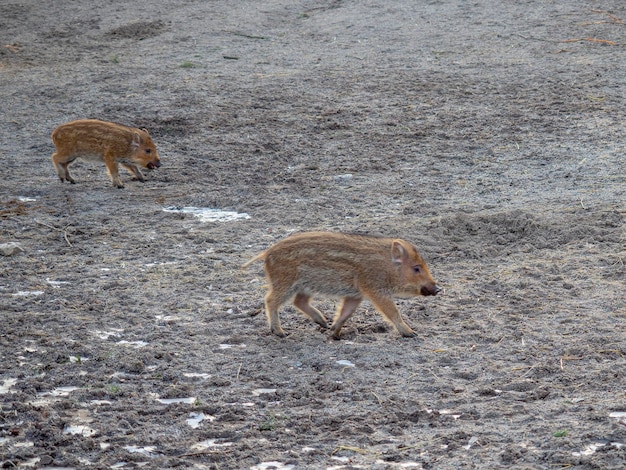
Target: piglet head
{"points": [[414, 278], [144, 151]]}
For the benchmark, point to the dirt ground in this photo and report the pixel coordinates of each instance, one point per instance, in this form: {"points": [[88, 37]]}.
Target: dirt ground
{"points": [[489, 133]]}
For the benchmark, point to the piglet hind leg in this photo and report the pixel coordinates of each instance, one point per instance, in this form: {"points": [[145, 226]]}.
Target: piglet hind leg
{"points": [[273, 300], [62, 168], [345, 310], [388, 308], [301, 301]]}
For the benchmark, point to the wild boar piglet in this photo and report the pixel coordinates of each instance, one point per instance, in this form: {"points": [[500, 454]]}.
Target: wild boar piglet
{"points": [[98, 141], [350, 267]]}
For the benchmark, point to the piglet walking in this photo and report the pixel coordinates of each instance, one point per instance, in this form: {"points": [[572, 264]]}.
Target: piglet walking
{"points": [[112, 143], [351, 267]]}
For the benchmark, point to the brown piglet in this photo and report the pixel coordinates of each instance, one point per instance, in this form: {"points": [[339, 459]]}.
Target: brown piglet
{"points": [[351, 267], [112, 143]]}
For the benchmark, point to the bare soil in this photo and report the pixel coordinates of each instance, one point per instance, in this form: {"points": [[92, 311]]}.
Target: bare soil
{"points": [[489, 133]]}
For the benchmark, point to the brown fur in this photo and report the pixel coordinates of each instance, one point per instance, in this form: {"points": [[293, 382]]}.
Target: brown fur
{"points": [[351, 267], [112, 143]]}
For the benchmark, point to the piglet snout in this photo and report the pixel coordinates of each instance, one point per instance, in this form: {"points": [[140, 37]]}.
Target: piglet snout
{"points": [[153, 165], [431, 290]]}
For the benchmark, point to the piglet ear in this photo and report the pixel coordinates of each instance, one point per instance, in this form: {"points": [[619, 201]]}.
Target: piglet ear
{"points": [[136, 140], [145, 130], [398, 252]]}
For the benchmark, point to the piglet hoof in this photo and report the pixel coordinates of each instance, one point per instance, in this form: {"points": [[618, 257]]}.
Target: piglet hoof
{"points": [[336, 335], [279, 332]]}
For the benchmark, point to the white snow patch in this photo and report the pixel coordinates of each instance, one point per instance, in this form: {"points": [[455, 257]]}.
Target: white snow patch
{"points": [[59, 392], [345, 363], [207, 214], [272, 466], [149, 451], [134, 344], [6, 385], [230, 346], [80, 430], [171, 401], [28, 293], [263, 391], [55, 284], [195, 419], [106, 334], [210, 443], [197, 375], [78, 359]]}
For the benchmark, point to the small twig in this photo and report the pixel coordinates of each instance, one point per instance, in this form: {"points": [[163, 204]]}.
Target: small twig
{"points": [[205, 452], [615, 19], [611, 351], [248, 36], [65, 236], [529, 370], [421, 444], [601, 41], [434, 375], [13, 207], [530, 38], [64, 230], [354, 449], [380, 402]]}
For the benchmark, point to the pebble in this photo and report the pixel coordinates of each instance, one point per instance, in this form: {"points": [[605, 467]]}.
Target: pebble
{"points": [[343, 178], [9, 249]]}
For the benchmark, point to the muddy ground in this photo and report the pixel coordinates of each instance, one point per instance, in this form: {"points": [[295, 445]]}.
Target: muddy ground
{"points": [[489, 133]]}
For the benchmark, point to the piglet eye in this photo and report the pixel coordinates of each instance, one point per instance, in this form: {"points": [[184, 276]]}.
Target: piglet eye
{"points": [[417, 269], [148, 150]]}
